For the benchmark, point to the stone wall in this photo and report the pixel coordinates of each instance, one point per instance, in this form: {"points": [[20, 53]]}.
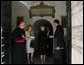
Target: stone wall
{"points": [[77, 32], [18, 9]]}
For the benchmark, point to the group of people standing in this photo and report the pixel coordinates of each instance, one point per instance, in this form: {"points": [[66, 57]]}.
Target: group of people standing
{"points": [[23, 47]]}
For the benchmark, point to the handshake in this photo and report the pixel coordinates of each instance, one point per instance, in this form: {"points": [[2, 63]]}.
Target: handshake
{"points": [[51, 36], [58, 48], [31, 37]]}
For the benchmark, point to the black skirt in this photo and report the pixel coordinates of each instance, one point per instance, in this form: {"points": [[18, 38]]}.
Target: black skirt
{"points": [[42, 50], [19, 53]]}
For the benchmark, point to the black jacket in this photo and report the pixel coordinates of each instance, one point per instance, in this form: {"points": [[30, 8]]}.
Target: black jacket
{"points": [[59, 36], [17, 34], [42, 39]]}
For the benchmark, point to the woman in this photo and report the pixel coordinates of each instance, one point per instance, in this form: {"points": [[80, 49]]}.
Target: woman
{"points": [[49, 42], [42, 36], [18, 45], [29, 38]]}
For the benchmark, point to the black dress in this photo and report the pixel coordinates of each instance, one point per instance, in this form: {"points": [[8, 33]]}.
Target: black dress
{"points": [[42, 42], [18, 47]]}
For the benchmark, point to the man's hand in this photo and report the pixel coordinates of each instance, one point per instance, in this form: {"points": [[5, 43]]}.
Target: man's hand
{"points": [[57, 48], [23, 36], [51, 36]]}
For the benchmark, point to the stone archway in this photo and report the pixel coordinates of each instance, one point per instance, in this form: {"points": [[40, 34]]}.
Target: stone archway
{"points": [[36, 28], [36, 25]]}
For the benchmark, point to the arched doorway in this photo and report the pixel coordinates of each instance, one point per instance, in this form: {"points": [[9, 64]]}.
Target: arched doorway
{"points": [[36, 25], [36, 29]]}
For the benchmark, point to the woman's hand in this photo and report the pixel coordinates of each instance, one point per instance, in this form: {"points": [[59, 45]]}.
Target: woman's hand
{"points": [[31, 38], [51, 36]]}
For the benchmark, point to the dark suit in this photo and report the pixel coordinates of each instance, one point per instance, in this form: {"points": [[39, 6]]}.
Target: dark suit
{"points": [[58, 42]]}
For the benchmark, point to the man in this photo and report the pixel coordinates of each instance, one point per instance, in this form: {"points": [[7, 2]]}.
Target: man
{"points": [[18, 45], [58, 44]]}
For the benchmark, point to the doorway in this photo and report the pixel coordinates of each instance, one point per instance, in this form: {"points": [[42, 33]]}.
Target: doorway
{"points": [[6, 19]]}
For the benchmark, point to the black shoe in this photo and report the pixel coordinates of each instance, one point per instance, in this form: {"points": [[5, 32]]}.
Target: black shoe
{"points": [[31, 62]]}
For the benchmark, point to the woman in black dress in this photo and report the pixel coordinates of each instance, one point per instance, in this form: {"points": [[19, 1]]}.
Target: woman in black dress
{"points": [[42, 36], [19, 45]]}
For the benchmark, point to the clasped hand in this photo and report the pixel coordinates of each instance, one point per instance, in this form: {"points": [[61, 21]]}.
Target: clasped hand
{"points": [[51, 36]]}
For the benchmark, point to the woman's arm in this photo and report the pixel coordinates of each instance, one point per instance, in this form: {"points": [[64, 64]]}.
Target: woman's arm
{"points": [[27, 36]]}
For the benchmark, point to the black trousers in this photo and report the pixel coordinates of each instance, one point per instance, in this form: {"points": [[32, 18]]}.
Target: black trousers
{"points": [[58, 57]]}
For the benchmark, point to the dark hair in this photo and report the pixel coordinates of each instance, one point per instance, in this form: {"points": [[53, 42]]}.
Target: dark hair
{"points": [[57, 21], [18, 22], [48, 28]]}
